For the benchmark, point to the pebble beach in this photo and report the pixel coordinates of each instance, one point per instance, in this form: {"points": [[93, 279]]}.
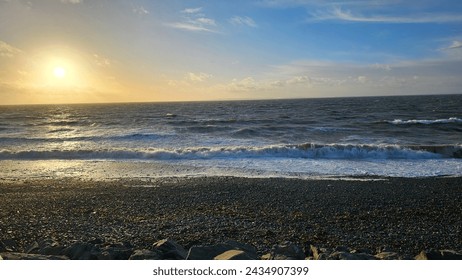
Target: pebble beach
{"points": [[401, 215]]}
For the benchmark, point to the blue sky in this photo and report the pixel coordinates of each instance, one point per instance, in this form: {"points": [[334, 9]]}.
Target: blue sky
{"points": [[209, 50]]}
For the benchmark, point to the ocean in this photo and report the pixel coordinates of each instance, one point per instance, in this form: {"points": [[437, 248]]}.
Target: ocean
{"points": [[403, 136]]}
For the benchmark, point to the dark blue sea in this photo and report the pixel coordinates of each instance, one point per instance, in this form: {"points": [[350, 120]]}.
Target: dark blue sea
{"points": [[408, 136]]}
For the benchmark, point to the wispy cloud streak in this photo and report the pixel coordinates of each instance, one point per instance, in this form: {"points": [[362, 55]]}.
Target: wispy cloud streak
{"points": [[337, 14], [246, 21], [454, 45], [191, 10], [7, 50], [194, 20], [189, 27]]}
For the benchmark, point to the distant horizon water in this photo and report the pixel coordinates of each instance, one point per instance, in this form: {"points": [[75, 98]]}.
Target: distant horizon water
{"points": [[398, 136], [227, 99]]}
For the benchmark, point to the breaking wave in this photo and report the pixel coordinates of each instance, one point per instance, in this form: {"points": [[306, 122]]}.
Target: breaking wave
{"points": [[306, 150], [437, 121]]}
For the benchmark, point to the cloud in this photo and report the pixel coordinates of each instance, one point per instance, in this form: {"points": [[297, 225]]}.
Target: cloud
{"points": [[376, 11], [455, 45], [190, 79], [330, 78], [194, 21], [7, 50], [140, 10], [385, 67], [198, 77], [298, 80], [362, 79], [206, 21], [245, 84], [191, 10], [246, 21], [101, 61], [341, 15], [189, 27]]}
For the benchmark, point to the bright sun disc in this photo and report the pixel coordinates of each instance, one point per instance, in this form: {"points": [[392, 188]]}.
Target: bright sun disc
{"points": [[59, 72]]}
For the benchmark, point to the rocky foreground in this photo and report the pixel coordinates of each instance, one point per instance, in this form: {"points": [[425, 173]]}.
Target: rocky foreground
{"points": [[167, 249], [200, 218]]}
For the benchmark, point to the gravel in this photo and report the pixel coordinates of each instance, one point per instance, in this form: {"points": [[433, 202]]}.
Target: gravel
{"points": [[391, 214]]}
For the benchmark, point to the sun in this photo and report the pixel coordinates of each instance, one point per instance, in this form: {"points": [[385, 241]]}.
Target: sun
{"points": [[59, 72]]}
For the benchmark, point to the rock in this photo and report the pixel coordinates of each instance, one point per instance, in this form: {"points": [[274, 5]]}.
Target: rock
{"points": [[25, 256], [248, 249], [323, 256], [451, 255], [362, 250], [313, 252], [427, 255], [364, 256], [96, 241], [349, 256], [384, 248], [170, 249], [145, 255], [51, 248], [287, 251], [207, 252], [210, 252], [90, 251], [233, 255], [387, 256], [82, 251], [118, 251], [340, 256], [34, 248], [8, 245], [439, 255], [45, 247], [342, 249]]}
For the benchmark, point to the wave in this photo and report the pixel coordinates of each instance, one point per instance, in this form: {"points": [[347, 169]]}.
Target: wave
{"points": [[134, 136], [437, 121], [246, 133], [331, 129], [307, 151], [205, 128]]}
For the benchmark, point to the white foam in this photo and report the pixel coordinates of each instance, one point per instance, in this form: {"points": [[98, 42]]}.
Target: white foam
{"points": [[437, 121], [289, 168], [306, 168], [303, 151]]}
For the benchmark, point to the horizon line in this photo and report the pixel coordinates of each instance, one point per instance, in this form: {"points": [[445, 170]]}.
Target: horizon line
{"points": [[227, 100]]}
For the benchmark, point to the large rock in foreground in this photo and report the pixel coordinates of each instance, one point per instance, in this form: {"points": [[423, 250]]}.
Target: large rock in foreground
{"points": [[170, 250], [285, 251], [213, 251], [25, 256], [439, 255], [234, 255]]}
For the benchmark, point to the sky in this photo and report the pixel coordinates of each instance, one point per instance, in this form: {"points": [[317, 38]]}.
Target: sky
{"points": [[86, 51]]}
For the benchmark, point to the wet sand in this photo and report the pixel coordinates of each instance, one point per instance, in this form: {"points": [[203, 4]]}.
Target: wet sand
{"points": [[404, 215]]}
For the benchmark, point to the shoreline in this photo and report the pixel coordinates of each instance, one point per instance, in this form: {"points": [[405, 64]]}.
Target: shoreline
{"points": [[246, 168], [405, 215]]}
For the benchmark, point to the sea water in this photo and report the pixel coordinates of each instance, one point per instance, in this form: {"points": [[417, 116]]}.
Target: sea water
{"points": [[404, 136]]}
